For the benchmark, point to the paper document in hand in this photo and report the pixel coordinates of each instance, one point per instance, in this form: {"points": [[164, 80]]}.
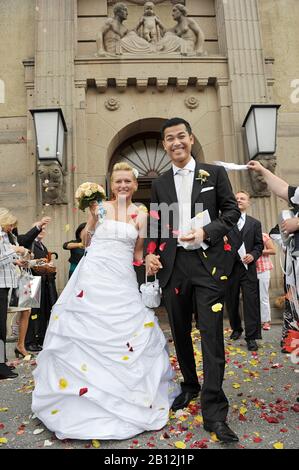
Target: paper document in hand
{"points": [[242, 253], [230, 166], [199, 221]]}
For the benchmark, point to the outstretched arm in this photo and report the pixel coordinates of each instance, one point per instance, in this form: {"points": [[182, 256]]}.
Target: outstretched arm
{"points": [[275, 184]]}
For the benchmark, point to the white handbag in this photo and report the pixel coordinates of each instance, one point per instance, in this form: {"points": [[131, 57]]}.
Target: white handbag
{"points": [[29, 290], [151, 293]]}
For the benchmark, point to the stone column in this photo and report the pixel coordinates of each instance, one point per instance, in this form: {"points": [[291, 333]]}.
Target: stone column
{"points": [[54, 87]]}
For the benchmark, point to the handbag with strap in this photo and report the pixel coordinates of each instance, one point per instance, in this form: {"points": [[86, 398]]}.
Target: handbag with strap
{"points": [[29, 290], [151, 293]]}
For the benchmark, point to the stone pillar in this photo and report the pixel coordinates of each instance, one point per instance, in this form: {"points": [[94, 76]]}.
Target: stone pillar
{"points": [[54, 87]]}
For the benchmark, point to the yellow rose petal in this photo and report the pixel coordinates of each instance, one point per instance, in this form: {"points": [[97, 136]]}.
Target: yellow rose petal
{"points": [[214, 437], [95, 443], [217, 307], [236, 385], [214, 271], [223, 278], [204, 254], [53, 412], [243, 410], [278, 445], [33, 317], [83, 367], [3, 409], [180, 445], [125, 358], [63, 383], [3, 440], [151, 324]]}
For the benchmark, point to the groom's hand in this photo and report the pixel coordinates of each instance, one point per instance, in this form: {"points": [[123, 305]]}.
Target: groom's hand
{"points": [[152, 264], [193, 236]]}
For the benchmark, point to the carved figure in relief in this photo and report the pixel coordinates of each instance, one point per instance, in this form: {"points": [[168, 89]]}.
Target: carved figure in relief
{"points": [[52, 183], [259, 186], [150, 27], [113, 30]]}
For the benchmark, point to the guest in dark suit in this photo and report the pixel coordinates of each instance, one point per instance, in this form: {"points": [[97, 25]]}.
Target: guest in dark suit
{"points": [[39, 317], [248, 232], [199, 273]]}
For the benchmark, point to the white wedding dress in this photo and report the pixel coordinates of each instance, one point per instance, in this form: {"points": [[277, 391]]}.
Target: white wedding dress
{"points": [[104, 371]]}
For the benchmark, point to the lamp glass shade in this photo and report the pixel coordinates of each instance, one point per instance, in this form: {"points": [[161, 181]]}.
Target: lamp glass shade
{"points": [[260, 129], [49, 129]]}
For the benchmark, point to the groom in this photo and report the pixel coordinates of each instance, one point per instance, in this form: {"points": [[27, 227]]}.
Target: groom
{"points": [[193, 266]]}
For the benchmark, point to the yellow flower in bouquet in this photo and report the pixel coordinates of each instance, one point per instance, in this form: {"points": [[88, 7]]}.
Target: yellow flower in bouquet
{"points": [[87, 193]]}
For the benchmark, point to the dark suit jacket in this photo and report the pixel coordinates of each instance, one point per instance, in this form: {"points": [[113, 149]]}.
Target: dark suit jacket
{"points": [[253, 240], [224, 213], [28, 238]]}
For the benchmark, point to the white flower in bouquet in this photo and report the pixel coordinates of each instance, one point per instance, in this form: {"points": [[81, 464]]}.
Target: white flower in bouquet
{"points": [[87, 193]]}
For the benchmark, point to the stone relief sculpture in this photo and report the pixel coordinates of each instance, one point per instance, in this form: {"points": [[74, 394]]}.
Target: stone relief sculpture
{"points": [[259, 186], [109, 38], [51, 183], [149, 35], [150, 27], [186, 37]]}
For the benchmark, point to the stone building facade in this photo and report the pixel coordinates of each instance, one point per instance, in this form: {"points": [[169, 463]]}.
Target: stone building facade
{"points": [[115, 103]]}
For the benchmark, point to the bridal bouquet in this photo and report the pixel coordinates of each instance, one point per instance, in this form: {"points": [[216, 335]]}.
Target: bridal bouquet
{"points": [[87, 193]]}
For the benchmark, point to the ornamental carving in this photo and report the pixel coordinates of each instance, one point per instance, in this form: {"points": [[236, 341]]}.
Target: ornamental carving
{"points": [[52, 183], [150, 35], [191, 102], [112, 104], [259, 186]]}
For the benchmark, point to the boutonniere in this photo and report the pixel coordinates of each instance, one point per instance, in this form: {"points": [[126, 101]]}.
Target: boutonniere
{"points": [[202, 176]]}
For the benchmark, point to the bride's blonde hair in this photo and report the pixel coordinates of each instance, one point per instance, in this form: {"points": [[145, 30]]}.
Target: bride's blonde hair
{"points": [[122, 166]]}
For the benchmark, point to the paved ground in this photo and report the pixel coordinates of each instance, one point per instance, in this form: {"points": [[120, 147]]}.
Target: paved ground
{"points": [[262, 390]]}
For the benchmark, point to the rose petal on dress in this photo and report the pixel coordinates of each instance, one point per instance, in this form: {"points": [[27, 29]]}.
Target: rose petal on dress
{"points": [[83, 367], [217, 307], [80, 294], [150, 324], [177, 291], [223, 278], [54, 412], [214, 271], [125, 358], [63, 383], [82, 391], [162, 246]]}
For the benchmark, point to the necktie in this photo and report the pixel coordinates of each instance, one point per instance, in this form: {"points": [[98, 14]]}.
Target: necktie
{"points": [[184, 199], [240, 223]]}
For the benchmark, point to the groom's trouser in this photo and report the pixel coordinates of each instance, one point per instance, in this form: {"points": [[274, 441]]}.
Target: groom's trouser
{"points": [[191, 281]]}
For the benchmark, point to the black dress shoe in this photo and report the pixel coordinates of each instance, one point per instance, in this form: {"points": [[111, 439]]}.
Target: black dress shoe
{"points": [[236, 335], [11, 367], [252, 345], [6, 373], [183, 399], [222, 431], [33, 347]]}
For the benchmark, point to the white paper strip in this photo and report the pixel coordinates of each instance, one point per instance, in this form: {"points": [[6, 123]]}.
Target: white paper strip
{"points": [[230, 166]]}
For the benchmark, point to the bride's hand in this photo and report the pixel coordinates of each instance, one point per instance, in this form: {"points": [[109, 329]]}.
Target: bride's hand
{"points": [[93, 210]]}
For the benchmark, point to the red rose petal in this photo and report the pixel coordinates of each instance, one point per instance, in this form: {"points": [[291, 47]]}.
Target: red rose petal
{"points": [[138, 263], [162, 246], [257, 439], [177, 291], [151, 247], [82, 391], [295, 408], [227, 247], [80, 294], [133, 216]]}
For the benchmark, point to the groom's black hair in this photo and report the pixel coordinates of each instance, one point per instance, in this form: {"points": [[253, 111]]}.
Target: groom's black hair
{"points": [[175, 122]]}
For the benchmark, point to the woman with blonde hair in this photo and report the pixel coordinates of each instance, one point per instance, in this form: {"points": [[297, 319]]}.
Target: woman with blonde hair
{"points": [[8, 280], [104, 371]]}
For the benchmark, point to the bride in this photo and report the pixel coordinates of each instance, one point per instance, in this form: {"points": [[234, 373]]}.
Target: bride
{"points": [[104, 372]]}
